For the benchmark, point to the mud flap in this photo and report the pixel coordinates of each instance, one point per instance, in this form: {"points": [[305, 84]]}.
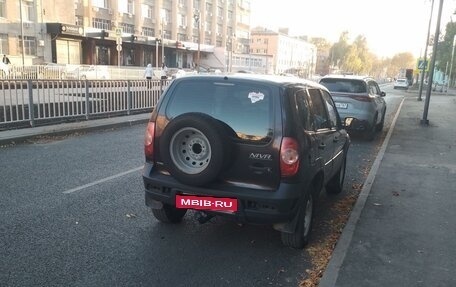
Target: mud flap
{"points": [[152, 203], [288, 227]]}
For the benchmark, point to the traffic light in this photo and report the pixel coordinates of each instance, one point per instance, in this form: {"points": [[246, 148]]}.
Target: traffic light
{"points": [[104, 34], [133, 38]]}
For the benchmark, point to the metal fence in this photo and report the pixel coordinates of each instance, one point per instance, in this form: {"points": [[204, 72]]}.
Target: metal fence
{"points": [[73, 72], [28, 102]]}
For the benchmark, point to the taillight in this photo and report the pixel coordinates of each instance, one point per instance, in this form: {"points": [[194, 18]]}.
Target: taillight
{"points": [[289, 157], [367, 98], [149, 141]]}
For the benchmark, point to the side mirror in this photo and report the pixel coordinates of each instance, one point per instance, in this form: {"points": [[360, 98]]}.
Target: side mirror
{"points": [[348, 121], [382, 94]]}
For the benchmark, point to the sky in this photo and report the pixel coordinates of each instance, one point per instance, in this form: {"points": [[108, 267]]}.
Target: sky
{"points": [[390, 26]]}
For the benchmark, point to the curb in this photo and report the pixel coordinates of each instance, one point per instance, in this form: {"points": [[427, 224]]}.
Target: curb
{"points": [[65, 129], [336, 261]]}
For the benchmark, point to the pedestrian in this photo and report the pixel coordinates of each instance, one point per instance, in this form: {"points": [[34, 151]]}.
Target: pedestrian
{"points": [[148, 73], [5, 60], [164, 72]]}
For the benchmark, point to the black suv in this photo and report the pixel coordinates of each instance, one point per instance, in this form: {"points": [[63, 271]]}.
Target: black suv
{"points": [[255, 148]]}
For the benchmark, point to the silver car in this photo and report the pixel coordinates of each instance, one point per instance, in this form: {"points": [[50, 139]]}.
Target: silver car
{"points": [[358, 97]]}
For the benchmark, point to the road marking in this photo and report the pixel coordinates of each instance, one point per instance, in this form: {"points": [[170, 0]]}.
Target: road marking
{"points": [[337, 258], [102, 180]]}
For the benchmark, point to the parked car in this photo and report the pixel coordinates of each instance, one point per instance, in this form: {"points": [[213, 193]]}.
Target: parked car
{"points": [[253, 148], [360, 98], [93, 73], [401, 84]]}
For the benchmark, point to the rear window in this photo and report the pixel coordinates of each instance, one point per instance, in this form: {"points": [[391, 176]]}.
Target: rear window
{"points": [[246, 108], [344, 85]]}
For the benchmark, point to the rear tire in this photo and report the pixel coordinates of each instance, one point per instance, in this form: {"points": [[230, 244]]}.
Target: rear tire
{"points": [[336, 183], [300, 237], [370, 134], [382, 123], [169, 214]]}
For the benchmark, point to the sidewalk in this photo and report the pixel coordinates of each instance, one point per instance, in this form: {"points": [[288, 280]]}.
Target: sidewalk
{"points": [[18, 135], [402, 229]]}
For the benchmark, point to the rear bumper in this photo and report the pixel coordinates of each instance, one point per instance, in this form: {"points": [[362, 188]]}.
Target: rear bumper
{"points": [[254, 205]]}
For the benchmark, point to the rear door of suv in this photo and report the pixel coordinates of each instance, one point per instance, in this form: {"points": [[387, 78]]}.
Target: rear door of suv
{"points": [[249, 111], [325, 133]]}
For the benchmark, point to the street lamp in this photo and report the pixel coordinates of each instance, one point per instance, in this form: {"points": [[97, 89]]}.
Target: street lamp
{"points": [[425, 54], [163, 23], [197, 16]]}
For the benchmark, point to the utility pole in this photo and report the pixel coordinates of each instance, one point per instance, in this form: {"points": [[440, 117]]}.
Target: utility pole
{"points": [[425, 54], [22, 36], [424, 120], [163, 23], [197, 17], [451, 62]]}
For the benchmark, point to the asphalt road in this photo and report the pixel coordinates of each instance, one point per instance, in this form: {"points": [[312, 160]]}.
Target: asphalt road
{"points": [[72, 213]]}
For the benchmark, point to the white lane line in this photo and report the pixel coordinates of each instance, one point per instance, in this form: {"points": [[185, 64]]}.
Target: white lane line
{"points": [[102, 180]]}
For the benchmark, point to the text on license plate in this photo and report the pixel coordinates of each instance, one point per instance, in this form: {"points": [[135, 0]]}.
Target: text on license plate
{"points": [[341, 105], [206, 203]]}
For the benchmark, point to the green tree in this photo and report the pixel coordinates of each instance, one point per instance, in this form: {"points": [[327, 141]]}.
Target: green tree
{"points": [[404, 60], [339, 50], [445, 47], [352, 62]]}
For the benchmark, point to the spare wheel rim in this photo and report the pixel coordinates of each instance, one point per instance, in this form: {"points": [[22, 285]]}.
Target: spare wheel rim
{"points": [[190, 150]]}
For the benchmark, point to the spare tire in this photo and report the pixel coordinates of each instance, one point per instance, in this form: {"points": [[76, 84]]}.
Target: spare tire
{"points": [[194, 148]]}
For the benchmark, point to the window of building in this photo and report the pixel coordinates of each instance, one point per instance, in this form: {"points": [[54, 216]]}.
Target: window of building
{"points": [[181, 37], [208, 9], [182, 20], [2, 8], [197, 4], [101, 23], [182, 3], [131, 6], [102, 3], [4, 44], [165, 15], [146, 31], [127, 28], [79, 21], [28, 11], [147, 11], [29, 45]]}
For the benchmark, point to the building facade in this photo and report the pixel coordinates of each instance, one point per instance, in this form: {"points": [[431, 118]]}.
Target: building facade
{"points": [[289, 55], [178, 33]]}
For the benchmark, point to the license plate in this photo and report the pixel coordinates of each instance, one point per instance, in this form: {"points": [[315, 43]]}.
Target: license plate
{"points": [[206, 203], [342, 105]]}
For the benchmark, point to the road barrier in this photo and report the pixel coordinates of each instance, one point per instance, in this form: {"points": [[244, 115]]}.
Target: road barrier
{"points": [[26, 103]]}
